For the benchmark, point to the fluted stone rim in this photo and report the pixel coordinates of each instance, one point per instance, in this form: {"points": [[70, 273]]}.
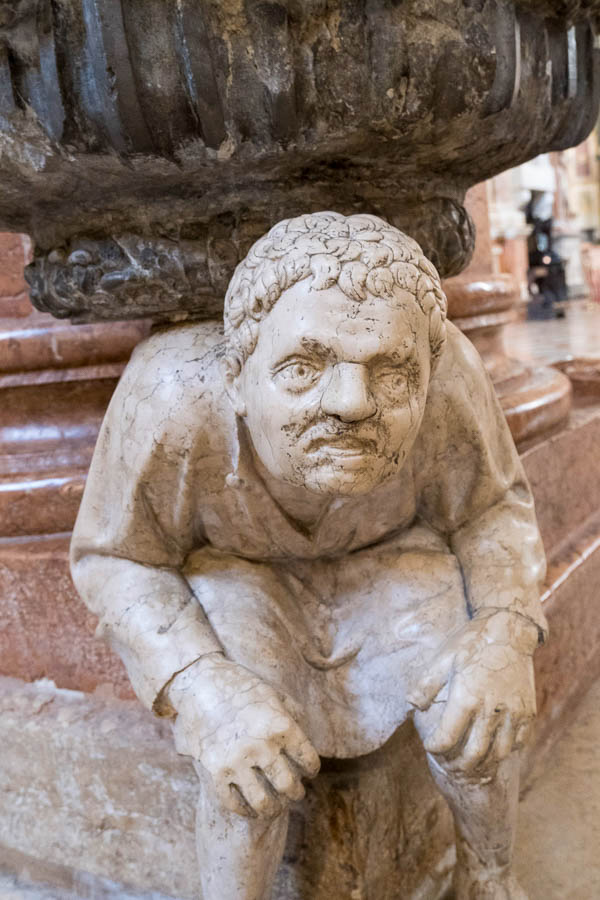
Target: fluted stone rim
{"points": [[196, 125]]}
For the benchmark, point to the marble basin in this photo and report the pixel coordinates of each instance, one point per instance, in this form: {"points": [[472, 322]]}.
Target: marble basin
{"points": [[144, 146]]}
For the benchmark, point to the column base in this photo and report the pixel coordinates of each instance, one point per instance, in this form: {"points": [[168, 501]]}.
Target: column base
{"points": [[536, 400], [537, 405]]}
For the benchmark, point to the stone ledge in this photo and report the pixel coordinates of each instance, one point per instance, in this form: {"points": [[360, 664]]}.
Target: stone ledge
{"points": [[104, 804], [564, 473], [28, 885], [570, 663], [102, 796], [46, 630]]}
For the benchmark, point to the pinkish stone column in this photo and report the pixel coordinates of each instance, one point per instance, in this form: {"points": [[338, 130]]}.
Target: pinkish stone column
{"points": [[481, 302]]}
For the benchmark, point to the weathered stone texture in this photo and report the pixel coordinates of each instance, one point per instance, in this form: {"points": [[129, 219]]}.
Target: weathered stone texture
{"points": [[108, 798], [559, 817], [15, 254], [564, 473], [92, 803], [185, 130]]}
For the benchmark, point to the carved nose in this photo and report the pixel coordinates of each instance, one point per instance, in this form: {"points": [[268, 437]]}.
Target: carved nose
{"points": [[347, 396]]}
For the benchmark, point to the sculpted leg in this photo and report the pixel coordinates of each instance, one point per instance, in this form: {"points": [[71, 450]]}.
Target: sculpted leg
{"points": [[485, 812], [238, 856]]}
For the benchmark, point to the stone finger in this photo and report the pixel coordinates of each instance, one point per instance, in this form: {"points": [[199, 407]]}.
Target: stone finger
{"points": [[523, 734], [284, 778], [479, 741], [302, 753], [429, 685], [232, 799], [452, 730], [505, 738], [258, 794]]}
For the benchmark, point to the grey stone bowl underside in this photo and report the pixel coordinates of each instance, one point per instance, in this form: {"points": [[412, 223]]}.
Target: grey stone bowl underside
{"points": [[145, 145]]}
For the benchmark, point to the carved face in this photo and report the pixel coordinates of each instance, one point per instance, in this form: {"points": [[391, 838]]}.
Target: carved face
{"points": [[334, 392]]}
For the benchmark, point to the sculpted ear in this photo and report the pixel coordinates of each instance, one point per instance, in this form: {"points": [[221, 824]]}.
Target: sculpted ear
{"points": [[231, 369]]}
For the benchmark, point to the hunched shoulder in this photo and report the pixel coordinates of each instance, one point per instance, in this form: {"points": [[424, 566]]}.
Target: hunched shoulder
{"points": [[172, 392]]}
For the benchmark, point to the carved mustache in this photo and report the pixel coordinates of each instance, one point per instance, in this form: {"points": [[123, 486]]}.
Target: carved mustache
{"points": [[344, 442], [319, 433]]}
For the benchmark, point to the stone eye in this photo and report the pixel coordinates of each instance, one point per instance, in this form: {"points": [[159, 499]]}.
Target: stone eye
{"points": [[301, 371], [298, 375], [392, 378]]}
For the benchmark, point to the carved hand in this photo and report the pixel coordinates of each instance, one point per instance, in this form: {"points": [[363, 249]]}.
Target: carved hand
{"points": [[238, 728], [477, 699]]}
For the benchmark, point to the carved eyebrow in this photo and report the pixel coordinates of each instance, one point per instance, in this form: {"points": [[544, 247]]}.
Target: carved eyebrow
{"points": [[316, 348], [396, 357], [310, 349]]}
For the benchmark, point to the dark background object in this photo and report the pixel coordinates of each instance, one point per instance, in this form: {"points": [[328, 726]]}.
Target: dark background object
{"points": [[546, 267]]}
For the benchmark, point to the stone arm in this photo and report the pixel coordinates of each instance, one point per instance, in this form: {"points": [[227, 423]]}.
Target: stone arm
{"points": [[473, 489], [139, 520], [137, 523], [149, 616], [502, 559]]}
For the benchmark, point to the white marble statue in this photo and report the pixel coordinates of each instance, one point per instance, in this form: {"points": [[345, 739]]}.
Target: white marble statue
{"points": [[301, 531]]}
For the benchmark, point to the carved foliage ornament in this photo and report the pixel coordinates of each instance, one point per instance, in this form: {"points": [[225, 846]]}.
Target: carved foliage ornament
{"points": [[130, 276]]}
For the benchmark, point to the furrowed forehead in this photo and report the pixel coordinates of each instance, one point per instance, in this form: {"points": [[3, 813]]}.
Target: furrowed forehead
{"points": [[328, 324], [362, 255]]}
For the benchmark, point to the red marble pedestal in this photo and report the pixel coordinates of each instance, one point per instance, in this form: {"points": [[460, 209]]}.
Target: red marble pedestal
{"points": [[56, 380], [536, 399]]}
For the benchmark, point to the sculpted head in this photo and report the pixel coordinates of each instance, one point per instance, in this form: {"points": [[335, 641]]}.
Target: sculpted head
{"points": [[333, 324]]}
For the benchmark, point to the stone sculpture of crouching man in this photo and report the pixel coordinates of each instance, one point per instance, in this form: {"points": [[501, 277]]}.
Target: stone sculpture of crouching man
{"points": [[302, 532]]}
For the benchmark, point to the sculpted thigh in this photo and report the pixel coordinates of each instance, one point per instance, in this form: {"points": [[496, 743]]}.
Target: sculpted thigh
{"points": [[252, 612]]}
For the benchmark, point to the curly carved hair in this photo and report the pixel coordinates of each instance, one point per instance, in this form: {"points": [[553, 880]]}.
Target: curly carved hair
{"points": [[361, 254]]}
